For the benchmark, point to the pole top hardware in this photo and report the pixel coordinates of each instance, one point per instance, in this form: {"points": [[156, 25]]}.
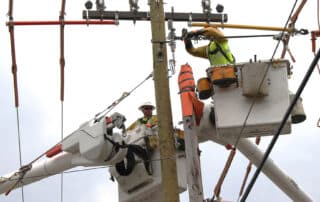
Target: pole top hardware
{"points": [[145, 16]]}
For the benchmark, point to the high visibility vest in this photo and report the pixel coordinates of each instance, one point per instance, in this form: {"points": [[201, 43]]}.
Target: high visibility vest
{"points": [[152, 121], [219, 53]]}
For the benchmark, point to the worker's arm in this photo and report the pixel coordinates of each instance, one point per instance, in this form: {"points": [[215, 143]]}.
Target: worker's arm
{"points": [[215, 33], [198, 52]]}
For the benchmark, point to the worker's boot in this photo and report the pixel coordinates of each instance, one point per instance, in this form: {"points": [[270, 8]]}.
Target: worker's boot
{"points": [[204, 88], [297, 115]]}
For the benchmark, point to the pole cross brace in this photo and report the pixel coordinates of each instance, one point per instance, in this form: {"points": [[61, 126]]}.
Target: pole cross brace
{"points": [[127, 15]]}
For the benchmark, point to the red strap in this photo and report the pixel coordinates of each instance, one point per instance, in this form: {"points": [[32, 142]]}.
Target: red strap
{"points": [[54, 151]]}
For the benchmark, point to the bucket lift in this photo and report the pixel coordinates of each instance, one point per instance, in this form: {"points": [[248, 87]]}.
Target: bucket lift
{"points": [[254, 106], [263, 92], [96, 143], [133, 161]]}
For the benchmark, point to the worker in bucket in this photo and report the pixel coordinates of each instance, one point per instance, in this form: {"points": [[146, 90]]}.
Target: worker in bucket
{"points": [[148, 118], [150, 121], [222, 71]]}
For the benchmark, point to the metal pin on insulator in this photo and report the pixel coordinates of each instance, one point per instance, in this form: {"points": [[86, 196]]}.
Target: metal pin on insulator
{"points": [[116, 18], [100, 5], [190, 20], [206, 6], [133, 5]]}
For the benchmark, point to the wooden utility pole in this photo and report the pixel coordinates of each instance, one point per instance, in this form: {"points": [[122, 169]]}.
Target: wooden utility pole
{"points": [[161, 83]]}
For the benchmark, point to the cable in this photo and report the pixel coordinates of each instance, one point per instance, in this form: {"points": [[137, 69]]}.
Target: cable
{"points": [[15, 85], [62, 66], [260, 85], [19, 143], [99, 167], [287, 114], [248, 170], [318, 17], [265, 74], [61, 176], [123, 96]]}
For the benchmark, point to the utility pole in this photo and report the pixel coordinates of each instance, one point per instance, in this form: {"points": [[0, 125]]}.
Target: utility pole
{"points": [[161, 83]]}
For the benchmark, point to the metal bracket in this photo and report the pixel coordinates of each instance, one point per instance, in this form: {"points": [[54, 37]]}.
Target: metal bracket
{"points": [[206, 6], [190, 20], [100, 5], [116, 18], [145, 16], [133, 5]]}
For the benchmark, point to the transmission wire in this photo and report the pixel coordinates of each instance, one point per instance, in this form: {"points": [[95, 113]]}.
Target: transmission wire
{"points": [[287, 114], [19, 144]]}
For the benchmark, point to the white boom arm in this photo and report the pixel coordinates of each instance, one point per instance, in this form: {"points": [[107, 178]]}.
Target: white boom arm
{"points": [[255, 155], [93, 144]]}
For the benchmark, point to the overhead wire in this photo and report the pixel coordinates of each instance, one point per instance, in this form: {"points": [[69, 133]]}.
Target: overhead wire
{"points": [[286, 116], [95, 168], [62, 98], [226, 168], [15, 84], [123, 96], [232, 153], [62, 67], [293, 18], [264, 76], [318, 20], [318, 16], [248, 170], [268, 67], [64, 138], [260, 84]]}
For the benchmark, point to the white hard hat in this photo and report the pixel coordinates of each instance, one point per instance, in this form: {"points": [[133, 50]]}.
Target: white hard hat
{"points": [[145, 104]]}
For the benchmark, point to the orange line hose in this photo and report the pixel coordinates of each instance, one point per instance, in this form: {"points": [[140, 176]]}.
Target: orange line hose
{"points": [[217, 188]]}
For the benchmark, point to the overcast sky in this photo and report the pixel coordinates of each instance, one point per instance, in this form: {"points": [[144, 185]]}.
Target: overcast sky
{"points": [[102, 62]]}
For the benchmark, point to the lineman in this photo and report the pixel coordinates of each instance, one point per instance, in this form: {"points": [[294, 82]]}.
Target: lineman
{"points": [[217, 52], [148, 118]]}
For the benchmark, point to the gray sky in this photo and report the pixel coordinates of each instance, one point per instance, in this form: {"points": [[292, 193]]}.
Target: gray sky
{"points": [[102, 62]]}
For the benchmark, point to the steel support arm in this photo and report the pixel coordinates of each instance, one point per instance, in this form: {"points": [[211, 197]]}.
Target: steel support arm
{"points": [[127, 15]]}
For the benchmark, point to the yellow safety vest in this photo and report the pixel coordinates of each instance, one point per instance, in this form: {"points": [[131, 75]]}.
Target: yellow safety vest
{"points": [[219, 53], [152, 121]]}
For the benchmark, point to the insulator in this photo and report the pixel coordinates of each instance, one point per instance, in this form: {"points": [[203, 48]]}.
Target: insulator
{"points": [[100, 5]]}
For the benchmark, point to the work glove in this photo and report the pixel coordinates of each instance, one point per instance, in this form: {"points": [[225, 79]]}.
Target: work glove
{"points": [[186, 34], [187, 38]]}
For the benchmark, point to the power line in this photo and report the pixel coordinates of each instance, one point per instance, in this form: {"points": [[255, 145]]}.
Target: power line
{"points": [[19, 144], [286, 116]]}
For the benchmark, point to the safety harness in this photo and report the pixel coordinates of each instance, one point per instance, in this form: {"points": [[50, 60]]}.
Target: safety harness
{"points": [[213, 51]]}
